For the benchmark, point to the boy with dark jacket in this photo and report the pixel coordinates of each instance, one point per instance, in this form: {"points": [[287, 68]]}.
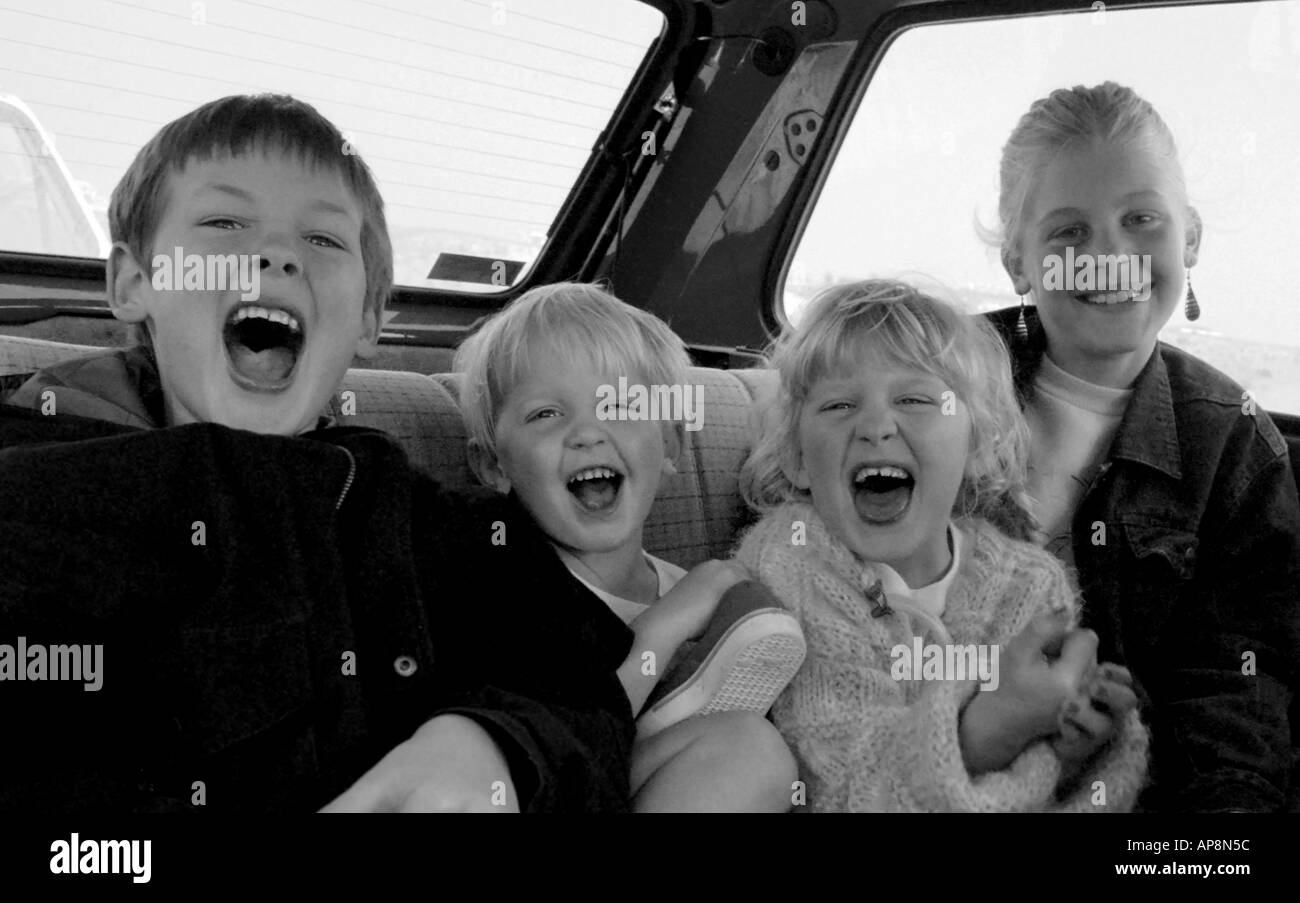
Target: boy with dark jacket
{"points": [[272, 603]]}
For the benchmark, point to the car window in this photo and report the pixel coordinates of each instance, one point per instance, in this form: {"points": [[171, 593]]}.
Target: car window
{"points": [[42, 205], [475, 115], [918, 166]]}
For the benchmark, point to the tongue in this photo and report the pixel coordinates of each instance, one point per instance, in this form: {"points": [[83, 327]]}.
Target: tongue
{"points": [[881, 506], [271, 365], [595, 494]]}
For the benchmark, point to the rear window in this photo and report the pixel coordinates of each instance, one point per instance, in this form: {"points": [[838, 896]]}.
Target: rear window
{"points": [[918, 167], [476, 117]]}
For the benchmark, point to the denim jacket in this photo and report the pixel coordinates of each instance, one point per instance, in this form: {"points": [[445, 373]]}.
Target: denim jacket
{"points": [[1187, 546]]}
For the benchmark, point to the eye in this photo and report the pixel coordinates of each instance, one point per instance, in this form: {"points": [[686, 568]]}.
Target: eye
{"points": [[1143, 219], [326, 241], [543, 413], [1067, 233], [222, 222], [915, 400], [836, 406]]}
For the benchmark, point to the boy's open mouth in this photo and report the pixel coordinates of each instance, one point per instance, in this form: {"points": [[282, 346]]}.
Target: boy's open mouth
{"points": [[881, 492], [595, 488], [263, 344]]}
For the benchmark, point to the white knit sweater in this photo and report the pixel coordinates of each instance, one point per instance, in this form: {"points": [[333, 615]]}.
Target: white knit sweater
{"points": [[866, 742]]}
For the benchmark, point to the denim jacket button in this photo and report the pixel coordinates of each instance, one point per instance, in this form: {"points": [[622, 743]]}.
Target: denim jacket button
{"points": [[404, 665]]}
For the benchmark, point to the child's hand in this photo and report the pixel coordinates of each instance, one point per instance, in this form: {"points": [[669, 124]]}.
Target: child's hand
{"points": [[1091, 718], [450, 764], [1034, 684]]}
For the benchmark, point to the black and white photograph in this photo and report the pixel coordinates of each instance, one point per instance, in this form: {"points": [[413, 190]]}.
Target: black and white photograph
{"points": [[608, 407]]}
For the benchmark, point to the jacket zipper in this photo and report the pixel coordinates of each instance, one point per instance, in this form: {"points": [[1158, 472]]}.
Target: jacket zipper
{"points": [[347, 484]]}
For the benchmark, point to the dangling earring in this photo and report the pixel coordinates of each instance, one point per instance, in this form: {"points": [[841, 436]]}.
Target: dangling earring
{"points": [[1022, 329], [1193, 309]]}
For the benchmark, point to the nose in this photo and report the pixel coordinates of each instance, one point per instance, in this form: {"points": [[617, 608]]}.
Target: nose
{"points": [[586, 432], [279, 256], [1107, 238], [875, 423]]}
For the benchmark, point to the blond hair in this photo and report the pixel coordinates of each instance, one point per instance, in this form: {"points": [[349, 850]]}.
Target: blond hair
{"points": [[1065, 118], [577, 321], [913, 329]]}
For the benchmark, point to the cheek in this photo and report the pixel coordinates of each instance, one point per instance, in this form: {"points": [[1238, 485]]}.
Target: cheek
{"points": [[948, 445], [822, 468]]}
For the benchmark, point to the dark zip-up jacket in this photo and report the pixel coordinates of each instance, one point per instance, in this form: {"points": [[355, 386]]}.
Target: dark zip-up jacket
{"points": [[275, 615], [1187, 545]]}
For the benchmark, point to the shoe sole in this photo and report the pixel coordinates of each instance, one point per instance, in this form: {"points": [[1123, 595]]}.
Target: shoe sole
{"points": [[745, 671]]}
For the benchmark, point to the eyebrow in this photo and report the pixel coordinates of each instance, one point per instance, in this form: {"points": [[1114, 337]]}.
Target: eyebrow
{"points": [[1075, 211], [237, 192], [233, 191]]}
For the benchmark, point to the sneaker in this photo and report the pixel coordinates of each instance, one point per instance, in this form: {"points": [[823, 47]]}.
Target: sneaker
{"points": [[749, 653]]}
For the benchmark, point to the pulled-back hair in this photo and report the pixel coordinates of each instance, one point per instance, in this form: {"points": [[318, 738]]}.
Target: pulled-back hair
{"points": [[913, 329], [236, 125], [1068, 117]]}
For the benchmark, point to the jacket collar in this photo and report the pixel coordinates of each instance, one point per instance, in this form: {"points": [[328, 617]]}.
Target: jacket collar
{"points": [[1148, 433], [117, 385]]}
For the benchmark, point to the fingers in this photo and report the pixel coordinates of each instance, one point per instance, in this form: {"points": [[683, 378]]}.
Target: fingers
{"points": [[1091, 717], [1112, 698], [1114, 673], [1080, 717], [1078, 660]]}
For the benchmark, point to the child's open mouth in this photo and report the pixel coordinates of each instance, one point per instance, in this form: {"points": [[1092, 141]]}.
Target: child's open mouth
{"points": [[882, 492], [263, 344], [595, 488]]}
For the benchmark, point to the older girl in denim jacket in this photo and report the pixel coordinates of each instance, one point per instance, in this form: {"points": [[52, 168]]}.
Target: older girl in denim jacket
{"points": [[1155, 475]]}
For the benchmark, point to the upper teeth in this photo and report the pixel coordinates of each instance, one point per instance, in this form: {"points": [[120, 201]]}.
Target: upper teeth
{"points": [[274, 315], [887, 471], [592, 473], [1117, 297]]}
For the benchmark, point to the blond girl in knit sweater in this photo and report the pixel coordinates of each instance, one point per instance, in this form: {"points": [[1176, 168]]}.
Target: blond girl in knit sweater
{"points": [[893, 447]]}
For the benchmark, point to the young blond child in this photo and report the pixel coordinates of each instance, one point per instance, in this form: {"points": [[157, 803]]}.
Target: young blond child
{"points": [[545, 426], [893, 439]]}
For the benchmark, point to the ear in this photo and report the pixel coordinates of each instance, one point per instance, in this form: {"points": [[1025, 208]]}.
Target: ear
{"points": [[674, 444], [127, 284], [486, 467], [1192, 249], [368, 343], [1015, 268]]}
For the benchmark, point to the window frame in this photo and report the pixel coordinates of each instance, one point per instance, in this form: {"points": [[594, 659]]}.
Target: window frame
{"points": [[853, 88], [440, 316]]}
